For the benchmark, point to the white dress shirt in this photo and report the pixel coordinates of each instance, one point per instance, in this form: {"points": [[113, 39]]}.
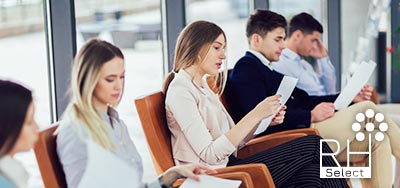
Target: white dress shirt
{"points": [[314, 83]]}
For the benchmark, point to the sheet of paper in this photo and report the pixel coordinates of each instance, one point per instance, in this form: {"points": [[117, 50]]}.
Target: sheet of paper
{"points": [[355, 84], [105, 170], [285, 89], [210, 181]]}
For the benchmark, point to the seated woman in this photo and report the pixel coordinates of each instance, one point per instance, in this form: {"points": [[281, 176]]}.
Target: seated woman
{"points": [[97, 84], [18, 132], [202, 130]]}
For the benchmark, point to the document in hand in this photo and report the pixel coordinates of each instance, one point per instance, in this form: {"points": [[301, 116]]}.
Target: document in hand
{"points": [[355, 84], [285, 89], [210, 181], [105, 170]]}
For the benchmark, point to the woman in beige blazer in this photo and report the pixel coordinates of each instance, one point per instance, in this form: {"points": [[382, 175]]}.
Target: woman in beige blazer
{"points": [[202, 130]]}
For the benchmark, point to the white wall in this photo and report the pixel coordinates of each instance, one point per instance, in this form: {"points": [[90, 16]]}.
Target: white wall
{"points": [[353, 16]]}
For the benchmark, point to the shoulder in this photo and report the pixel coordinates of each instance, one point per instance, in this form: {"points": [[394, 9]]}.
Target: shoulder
{"points": [[180, 87], [71, 133]]}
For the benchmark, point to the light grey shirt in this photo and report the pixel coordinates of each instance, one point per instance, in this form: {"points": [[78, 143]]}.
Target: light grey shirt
{"points": [[72, 151], [319, 83]]}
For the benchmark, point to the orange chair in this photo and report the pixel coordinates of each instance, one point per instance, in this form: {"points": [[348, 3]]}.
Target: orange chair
{"points": [[151, 110], [47, 158]]}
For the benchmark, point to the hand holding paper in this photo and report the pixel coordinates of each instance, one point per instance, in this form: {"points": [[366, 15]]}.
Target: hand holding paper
{"points": [[354, 85], [285, 90]]}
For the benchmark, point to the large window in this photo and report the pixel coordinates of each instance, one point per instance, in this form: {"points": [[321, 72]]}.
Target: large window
{"points": [[135, 27], [23, 59], [230, 15]]}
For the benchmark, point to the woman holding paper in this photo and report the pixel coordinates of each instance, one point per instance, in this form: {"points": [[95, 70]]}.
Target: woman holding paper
{"points": [[97, 84], [203, 132], [18, 132]]}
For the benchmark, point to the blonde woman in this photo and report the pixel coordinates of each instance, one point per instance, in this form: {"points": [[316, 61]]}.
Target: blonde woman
{"points": [[202, 130], [97, 84]]}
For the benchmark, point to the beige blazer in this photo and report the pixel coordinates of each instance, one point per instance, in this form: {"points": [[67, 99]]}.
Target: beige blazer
{"points": [[195, 117]]}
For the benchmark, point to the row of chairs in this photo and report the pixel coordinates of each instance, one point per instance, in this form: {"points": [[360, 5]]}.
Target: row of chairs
{"points": [[151, 110]]}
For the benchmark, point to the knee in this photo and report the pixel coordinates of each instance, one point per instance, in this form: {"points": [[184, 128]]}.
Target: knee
{"points": [[383, 145], [367, 105]]}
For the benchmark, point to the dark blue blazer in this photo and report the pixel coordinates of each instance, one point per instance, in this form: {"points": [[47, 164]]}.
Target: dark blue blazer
{"points": [[251, 81]]}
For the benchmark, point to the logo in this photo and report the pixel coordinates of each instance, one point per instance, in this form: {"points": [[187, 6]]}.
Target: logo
{"points": [[371, 121]]}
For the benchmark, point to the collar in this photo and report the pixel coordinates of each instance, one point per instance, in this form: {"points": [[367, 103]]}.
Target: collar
{"points": [[111, 112], [203, 87], [288, 53], [14, 171], [262, 58]]}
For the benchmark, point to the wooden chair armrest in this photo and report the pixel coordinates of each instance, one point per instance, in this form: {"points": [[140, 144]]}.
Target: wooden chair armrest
{"points": [[308, 131], [245, 177], [259, 174], [263, 143]]}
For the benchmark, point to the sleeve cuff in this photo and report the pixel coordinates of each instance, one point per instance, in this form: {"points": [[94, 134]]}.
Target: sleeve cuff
{"points": [[227, 147]]}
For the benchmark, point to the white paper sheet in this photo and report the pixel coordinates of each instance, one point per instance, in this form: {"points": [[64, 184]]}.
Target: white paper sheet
{"points": [[355, 84], [285, 89], [210, 181], [105, 170]]}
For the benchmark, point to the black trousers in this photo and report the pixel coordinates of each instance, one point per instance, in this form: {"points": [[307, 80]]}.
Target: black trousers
{"points": [[295, 163]]}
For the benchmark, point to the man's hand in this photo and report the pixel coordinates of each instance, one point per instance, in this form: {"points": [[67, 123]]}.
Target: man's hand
{"points": [[279, 117], [322, 111], [318, 51], [364, 94]]}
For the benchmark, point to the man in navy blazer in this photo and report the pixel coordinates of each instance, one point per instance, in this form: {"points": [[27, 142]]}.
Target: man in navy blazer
{"points": [[253, 79]]}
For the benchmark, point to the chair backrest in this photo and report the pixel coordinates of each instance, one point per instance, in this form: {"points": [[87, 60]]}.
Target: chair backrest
{"points": [[48, 161], [151, 110]]}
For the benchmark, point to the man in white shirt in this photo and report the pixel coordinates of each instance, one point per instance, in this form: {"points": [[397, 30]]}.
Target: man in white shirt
{"points": [[304, 41]]}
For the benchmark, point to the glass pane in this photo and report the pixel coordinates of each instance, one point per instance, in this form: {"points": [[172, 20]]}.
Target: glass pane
{"points": [[24, 59], [135, 27], [289, 8], [230, 15]]}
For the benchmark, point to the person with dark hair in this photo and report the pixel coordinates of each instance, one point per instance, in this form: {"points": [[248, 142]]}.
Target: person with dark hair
{"points": [[202, 130], [18, 132], [320, 79], [253, 79], [304, 41]]}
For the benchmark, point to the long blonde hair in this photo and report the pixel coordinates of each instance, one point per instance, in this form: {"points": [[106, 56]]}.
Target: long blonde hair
{"points": [[192, 46], [85, 75]]}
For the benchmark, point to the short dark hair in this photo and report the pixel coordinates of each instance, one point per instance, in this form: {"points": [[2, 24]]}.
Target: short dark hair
{"points": [[263, 21], [15, 100], [305, 23]]}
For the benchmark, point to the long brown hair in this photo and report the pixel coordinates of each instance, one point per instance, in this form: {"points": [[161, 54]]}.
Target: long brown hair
{"points": [[192, 46]]}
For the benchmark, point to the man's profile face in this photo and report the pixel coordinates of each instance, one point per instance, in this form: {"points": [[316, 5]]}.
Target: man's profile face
{"points": [[272, 44], [307, 42]]}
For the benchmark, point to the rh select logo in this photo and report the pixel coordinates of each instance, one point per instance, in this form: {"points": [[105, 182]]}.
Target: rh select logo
{"points": [[369, 119], [372, 121]]}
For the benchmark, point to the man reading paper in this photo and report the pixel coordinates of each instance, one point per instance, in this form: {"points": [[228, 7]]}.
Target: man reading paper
{"points": [[253, 79]]}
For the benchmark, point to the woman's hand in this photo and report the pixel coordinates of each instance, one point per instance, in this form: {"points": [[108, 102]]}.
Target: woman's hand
{"points": [[186, 171], [279, 117], [268, 106]]}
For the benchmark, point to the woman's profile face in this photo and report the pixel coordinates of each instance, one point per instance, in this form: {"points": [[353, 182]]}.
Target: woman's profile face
{"points": [[214, 57], [109, 87], [29, 132]]}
